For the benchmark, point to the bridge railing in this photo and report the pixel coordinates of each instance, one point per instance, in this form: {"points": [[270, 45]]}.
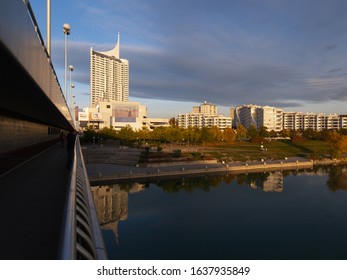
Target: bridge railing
{"points": [[81, 236]]}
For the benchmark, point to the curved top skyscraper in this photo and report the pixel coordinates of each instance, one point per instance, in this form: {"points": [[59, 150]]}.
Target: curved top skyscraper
{"points": [[109, 76]]}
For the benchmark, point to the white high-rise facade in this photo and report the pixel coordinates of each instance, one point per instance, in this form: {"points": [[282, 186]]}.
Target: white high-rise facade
{"points": [[259, 116], [109, 76]]}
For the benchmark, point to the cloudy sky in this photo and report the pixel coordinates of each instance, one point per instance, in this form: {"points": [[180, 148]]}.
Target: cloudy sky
{"points": [[290, 54]]}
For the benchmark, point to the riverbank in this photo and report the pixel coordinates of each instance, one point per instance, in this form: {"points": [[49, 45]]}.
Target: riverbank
{"points": [[120, 163], [100, 172]]}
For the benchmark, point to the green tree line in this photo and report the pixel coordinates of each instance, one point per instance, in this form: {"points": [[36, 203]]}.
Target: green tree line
{"points": [[337, 140]]}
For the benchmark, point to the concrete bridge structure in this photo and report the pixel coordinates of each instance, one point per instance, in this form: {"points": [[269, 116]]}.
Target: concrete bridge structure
{"points": [[38, 201]]}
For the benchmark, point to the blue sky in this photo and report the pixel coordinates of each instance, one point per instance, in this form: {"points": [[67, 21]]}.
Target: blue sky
{"points": [[290, 54]]}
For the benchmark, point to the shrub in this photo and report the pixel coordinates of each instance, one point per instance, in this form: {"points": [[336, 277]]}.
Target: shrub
{"points": [[177, 153]]}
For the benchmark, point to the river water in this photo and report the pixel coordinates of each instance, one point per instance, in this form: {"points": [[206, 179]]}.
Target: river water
{"points": [[289, 215]]}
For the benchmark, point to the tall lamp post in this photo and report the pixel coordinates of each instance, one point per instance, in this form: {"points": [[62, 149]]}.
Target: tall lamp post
{"points": [[66, 29], [67, 98], [72, 102], [48, 29]]}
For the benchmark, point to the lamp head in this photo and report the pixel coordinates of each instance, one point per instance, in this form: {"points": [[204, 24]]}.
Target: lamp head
{"points": [[66, 28]]}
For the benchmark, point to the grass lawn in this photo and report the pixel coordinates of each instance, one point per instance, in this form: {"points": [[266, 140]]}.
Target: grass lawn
{"points": [[245, 151]]}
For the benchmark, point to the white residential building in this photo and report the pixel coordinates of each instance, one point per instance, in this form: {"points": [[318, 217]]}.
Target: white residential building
{"points": [[258, 116], [314, 121], [109, 76], [206, 109], [204, 115]]}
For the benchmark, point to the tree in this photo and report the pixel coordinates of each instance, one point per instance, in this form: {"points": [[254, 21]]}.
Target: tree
{"points": [[217, 134], [241, 132], [107, 133], [126, 133], [206, 134], [252, 132], [229, 135], [143, 134], [285, 133], [172, 122], [262, 132], [335, 142], [191, 134]]}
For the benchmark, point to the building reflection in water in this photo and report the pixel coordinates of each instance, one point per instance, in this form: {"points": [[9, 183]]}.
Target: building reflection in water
{"points": [[111, 201], [111, 204], [272, 183]]}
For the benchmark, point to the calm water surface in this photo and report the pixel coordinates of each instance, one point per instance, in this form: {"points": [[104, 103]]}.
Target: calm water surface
{"points": [[277, 215]]}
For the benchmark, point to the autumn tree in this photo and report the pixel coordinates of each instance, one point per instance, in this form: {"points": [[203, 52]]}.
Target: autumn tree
{"points": [[337, 144], [263, 132], [217, 134], [252, 132], [229, 135], [126, 133], [241, 132]]}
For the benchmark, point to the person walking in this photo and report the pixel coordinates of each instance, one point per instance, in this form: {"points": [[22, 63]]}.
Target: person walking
{"points": [[62, 139], [70, 147]]}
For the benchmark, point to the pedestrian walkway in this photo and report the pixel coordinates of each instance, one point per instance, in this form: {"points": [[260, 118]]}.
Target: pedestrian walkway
{"points": [[32, 204], [111, 154], [99, 172]]}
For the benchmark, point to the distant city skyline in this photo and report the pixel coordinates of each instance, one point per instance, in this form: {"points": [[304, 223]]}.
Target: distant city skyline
{"points": [[289, 54]]}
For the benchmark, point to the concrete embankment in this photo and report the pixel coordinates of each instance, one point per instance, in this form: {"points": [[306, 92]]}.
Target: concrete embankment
{"points": [[98, 172]]}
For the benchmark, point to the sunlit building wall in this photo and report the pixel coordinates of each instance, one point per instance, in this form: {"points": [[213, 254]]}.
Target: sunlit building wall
{"points": [[206, 109], [270, 117], [109, 76], [204, 115], [314, 121], [117, 115], [258, 116]]}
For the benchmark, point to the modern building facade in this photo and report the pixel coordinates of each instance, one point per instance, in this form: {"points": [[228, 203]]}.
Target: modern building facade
{"points": [[258, 116], [314, 121], [204, 115], [114, 115], [109, 95], [206, 109], [109, 76], [118, 114], [275, 119]]}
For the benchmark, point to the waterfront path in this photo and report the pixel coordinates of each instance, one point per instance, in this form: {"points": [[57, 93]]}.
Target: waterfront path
{"points": [[32, 201], [100, 172]]}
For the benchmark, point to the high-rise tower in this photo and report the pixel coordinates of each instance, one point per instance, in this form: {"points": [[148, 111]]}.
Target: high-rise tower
{"points": [[109, 76]]}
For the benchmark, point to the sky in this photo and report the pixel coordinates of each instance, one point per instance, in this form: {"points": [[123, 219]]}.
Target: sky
{"points": [[290, 54]]}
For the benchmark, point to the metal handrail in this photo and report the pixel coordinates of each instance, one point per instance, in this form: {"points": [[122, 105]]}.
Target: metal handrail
{"points": [[81, 235]]}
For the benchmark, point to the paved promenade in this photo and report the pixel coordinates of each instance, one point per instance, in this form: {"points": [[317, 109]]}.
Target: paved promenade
{"points": [[32, 203], [99, 172]]}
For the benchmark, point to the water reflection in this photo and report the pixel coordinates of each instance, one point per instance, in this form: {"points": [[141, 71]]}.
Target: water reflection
{"points": [[112, 201], [337, 178]]}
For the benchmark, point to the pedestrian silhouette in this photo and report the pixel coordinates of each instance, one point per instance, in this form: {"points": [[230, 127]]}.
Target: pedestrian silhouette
{"points": [[62, 139], [70, 147]]}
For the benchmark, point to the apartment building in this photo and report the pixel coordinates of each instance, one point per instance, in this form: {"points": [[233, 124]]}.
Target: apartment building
{"points": [[258, 116], [315, 121], [109, 76], [204, 115]]}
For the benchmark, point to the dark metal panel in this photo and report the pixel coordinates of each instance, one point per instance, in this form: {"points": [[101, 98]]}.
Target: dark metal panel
{"points": [[29, 85]]}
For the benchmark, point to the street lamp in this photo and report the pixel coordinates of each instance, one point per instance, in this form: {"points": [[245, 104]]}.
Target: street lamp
{"points": [[67, 98], [66, 29], [72, 102], [72, 96]]}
